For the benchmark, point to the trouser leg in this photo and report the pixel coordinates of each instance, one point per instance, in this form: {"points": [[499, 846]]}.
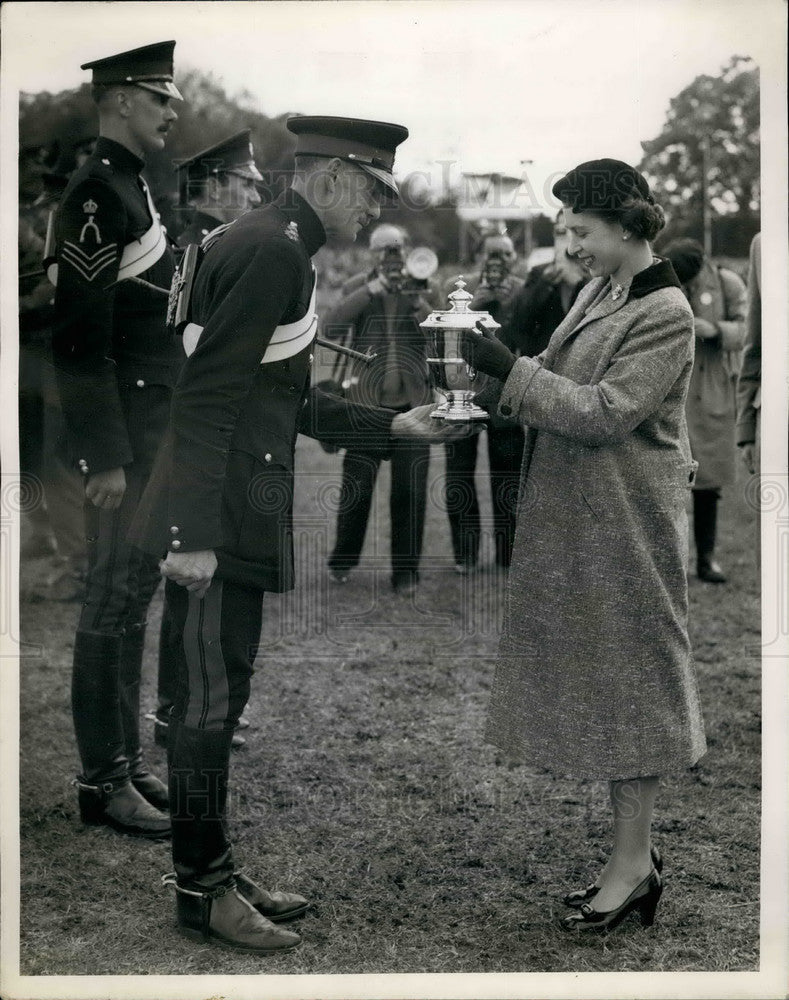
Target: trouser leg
{"points": [[216, 644], [96, 707], [705, 518], [359, 473], [408, 500], [167, 679], [705, 515], [461, 500], [505, 452]]}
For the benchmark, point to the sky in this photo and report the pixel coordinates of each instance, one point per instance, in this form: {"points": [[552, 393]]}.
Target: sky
{"points": [[481, 84]]}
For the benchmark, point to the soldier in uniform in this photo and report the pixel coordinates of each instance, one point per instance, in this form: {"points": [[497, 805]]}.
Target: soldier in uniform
{"points": [[115, 366], [219, 502], [219, 184]]}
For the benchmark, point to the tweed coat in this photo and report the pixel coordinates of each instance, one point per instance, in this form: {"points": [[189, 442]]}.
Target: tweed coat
{"points": [[717, 295], [594, 675]]}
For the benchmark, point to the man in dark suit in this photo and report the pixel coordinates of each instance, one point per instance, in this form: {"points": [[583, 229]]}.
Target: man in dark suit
{"points": [[219, 502], [383, 312], [115, 366]]}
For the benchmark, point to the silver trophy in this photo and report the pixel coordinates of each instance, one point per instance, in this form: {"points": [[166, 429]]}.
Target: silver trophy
{"points": [[453, 374]]}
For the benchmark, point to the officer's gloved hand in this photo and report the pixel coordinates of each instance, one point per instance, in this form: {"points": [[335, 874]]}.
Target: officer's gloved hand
{"points": [[486, 353]]}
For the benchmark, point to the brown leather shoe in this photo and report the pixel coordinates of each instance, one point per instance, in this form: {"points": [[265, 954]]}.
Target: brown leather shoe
{"points": [[222, 916], [275, 906], [121, 807]]}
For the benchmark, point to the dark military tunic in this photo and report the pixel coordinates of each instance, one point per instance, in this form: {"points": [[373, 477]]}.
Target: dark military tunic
{"points": [[201, 225], [109, 337], [223, 478]]}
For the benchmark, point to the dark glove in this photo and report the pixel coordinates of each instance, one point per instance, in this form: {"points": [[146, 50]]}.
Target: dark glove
{"points": [[486, 353]]}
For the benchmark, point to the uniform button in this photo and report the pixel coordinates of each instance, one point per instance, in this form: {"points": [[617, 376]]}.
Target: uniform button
{"points": [[267, 456], [174, 530], [106, 162], [140, 383], [176, 544], [310, 359], [505, 409]]}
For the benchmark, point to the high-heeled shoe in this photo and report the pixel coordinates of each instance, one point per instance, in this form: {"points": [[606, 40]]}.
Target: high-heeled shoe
{"points": [[577, 898], [644, 898]]}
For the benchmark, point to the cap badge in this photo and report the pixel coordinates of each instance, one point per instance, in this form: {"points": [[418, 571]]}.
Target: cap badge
{"points": [[90, 208], [292, 231]]}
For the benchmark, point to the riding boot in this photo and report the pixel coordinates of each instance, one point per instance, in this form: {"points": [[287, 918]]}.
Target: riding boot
{"points": [[146, 783], [106, 795], [223, 916], [199, 761], [705, 517]]}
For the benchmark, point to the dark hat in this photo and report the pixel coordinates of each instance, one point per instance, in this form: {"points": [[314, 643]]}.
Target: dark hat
{"points": [[149, 67], [234, 155], [601, 185], [369, 144], [686, 256]]}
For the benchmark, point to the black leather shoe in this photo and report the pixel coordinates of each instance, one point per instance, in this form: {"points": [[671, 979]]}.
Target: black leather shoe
{"points": [[580, 896], [275, 906], [644, 898], [121, 807], [710, 571], [222, 916]]}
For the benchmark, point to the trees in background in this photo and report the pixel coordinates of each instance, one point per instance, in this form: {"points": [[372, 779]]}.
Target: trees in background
{"points": [[708, 153]]}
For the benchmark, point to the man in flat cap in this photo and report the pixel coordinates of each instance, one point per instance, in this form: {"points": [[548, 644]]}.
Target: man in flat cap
{"points": [[219, 184], [116, 366], [219, 502]]}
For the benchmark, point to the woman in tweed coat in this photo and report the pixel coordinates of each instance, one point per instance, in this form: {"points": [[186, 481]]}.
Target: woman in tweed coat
{"points": [[595, 676]]}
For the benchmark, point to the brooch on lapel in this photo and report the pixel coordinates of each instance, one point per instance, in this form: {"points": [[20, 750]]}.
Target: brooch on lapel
{"points": [[292, 231], [616, 292]]}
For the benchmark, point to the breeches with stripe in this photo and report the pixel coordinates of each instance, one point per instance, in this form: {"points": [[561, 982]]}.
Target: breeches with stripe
{"points": [[121, 579], [215, 644]]}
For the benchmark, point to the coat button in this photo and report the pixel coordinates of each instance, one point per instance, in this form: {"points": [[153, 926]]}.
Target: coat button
{"points": [[176, 544], [505, 409], [267, 456], [106, 162], [140, 383], [174, 530]]}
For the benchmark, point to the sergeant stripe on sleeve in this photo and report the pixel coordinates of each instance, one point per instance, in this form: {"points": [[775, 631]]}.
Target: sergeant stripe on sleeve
{"points": [[89, 265]]}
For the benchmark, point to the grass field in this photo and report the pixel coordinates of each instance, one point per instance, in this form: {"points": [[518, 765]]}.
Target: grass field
{"points": [[365, 785]]}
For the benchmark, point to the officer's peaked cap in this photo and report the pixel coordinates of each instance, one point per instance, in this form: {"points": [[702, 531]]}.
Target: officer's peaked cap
{"points": [[370, 145], [233, 155], [149, 67]]}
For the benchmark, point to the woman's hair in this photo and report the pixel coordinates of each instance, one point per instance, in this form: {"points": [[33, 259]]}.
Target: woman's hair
{"points": [[614, 191], [642, 218]]}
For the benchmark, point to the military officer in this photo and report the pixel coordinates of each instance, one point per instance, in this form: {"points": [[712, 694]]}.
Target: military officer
{"points": [[115, 366], [219, 184], [219, 501]]}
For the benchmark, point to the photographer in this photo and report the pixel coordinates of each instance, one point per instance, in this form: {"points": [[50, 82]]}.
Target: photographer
{"points": [[383, 311], [495, 290]]}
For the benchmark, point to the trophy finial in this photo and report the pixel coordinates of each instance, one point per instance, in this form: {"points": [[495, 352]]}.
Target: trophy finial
{"points": [[460, 298]]}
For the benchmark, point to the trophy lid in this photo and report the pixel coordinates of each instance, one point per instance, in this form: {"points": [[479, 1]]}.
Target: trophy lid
{"points": [[459, 316]]}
